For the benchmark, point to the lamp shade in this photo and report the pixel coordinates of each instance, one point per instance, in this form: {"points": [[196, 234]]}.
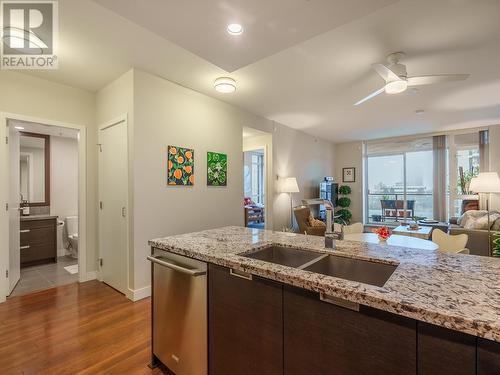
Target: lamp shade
{"points": [[290, 185], [487, 182]]}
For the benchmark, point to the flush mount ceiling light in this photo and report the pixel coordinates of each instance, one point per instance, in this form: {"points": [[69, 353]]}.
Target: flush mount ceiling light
{"points": [[225, 85], [19, 127], [235, 29]]}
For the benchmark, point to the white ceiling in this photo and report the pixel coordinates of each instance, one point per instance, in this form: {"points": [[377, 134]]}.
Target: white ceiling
{"points": [[270, 26], [308, 84]]}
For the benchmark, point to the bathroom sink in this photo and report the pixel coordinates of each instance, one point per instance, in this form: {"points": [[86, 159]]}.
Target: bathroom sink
{"points": [[363, 271], [286, 256]]}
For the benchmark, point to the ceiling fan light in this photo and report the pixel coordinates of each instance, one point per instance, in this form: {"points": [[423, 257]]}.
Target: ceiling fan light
{"points": [[395, 87], [225, 85]]}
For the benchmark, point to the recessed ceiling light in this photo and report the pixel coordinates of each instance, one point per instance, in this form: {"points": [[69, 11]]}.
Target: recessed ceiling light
{"points": [[225, 85], [235, 29], [419, 111], [19, 127]]}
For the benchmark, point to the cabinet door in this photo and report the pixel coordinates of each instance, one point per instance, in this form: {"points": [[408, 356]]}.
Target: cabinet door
{"points": [[443, 351], [488, 357], [321, 338], [245, 325]]}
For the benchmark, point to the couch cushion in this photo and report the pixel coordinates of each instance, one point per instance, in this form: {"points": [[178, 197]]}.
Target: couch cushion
{"points": [[478, 219]]}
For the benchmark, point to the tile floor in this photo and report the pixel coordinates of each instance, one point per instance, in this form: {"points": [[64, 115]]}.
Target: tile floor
{"points": [[45, 276]]}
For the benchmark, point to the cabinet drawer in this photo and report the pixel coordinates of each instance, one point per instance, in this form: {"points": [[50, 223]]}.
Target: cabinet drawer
{"points": [[37, 253], [29, 224], [38, 236]]}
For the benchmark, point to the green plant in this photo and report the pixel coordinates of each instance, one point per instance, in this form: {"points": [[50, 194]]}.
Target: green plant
{"points": [[345, 190], [496, 245], [385, 197], [344, 202], [345, 214]]}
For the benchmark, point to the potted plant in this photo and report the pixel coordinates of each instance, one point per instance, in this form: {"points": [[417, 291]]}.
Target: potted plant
{"points": [[383, 234], [343, 203]]}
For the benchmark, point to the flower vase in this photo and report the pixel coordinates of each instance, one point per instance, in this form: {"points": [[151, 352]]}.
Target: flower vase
{"points": [[382, 240]]}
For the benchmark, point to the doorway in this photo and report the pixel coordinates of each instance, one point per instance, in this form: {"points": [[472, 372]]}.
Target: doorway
{"points": [[113, 204], [257, 181], [44, 185]]}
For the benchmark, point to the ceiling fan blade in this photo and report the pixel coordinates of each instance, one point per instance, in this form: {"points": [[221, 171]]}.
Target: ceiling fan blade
{"points": [[439, 78], [386, 73], [372, 95]]}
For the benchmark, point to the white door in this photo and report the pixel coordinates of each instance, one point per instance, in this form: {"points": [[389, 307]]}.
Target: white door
{"points": [[113, 206], [14, 200]]}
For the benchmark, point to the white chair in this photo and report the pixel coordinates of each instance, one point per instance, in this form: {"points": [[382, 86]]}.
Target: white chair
{"points": [[450, 244], [354, 228]]}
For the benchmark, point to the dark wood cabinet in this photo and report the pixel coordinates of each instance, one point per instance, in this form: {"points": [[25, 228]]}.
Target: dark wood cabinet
{"points": [[245, 324], [443, 351], [488, 357], [321, 338], [263, 327], [38, 241]]}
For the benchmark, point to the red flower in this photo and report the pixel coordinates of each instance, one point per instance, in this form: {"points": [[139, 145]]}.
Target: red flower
{"points": [[383, 232]]}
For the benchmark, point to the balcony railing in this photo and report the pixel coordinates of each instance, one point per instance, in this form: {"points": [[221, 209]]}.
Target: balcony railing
{"points": [[383, 207]]}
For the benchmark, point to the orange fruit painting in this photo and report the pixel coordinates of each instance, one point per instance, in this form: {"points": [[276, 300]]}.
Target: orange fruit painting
{"points": [[180, 166]]}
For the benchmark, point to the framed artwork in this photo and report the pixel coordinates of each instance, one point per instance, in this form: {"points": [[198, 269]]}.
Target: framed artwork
{"points": [[216, 169], [349, 174], [180, 166]]}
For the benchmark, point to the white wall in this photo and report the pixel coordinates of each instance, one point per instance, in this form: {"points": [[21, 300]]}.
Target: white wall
{"points": [[351, 155], [168, 114], [63, 176], [113, 101], [26, 95]]}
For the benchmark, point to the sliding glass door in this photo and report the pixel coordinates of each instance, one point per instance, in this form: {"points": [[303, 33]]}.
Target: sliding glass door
{"points": [[400, 181]]}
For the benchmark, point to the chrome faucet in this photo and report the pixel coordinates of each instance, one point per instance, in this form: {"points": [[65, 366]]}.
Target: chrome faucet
{"points": [[330, 234]]}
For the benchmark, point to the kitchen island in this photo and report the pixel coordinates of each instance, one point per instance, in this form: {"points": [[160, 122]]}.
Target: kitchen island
{"points": [[436, 312]]}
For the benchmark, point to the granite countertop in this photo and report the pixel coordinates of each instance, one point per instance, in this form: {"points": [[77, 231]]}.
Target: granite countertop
{"points": [[455, 291], [38, 217]]}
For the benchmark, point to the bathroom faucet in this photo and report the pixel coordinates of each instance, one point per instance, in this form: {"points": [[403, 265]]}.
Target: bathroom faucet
{"points": [[330, 234]]}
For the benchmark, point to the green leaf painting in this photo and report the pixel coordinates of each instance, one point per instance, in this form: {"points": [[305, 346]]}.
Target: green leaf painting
{"points": [[216, 169], [180, 166]]}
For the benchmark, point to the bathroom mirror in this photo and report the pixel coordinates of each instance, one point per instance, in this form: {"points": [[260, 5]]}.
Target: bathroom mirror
{"points": [[34, 168]]}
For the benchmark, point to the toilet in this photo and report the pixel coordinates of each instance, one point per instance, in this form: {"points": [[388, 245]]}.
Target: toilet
{"points": [[72, 230]]}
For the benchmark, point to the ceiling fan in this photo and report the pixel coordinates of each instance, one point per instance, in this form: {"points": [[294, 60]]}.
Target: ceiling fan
{"points": [[397, 80]]}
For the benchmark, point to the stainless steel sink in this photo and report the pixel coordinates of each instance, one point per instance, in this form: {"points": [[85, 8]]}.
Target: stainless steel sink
{"points": [[286, 256], [362, 271]]}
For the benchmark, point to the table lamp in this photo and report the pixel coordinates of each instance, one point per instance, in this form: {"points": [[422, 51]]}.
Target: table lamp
{"points": [[290, 186], [486, 183]]}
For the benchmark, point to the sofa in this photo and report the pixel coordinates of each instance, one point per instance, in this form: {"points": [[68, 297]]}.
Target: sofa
{"points": [[478, 238]]}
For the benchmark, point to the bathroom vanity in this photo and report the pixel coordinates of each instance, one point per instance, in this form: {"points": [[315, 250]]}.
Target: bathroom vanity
{"points": [[38, 240], [281, 304]]}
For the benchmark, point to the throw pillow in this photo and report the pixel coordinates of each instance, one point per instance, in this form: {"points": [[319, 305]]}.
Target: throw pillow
{"points": [[478, 219], [315, 222]]}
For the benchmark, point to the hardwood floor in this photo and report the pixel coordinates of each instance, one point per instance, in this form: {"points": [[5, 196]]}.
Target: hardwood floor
{"points": [[86, 328]]}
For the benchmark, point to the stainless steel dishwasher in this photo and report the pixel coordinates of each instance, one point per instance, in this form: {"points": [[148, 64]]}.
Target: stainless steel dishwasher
{"points": [[179, 313]]}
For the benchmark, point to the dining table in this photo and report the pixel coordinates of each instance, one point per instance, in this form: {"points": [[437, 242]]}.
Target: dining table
{"points": [[394, 240]]}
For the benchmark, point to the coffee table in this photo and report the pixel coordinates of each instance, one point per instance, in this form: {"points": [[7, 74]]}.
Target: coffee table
{"points": [[423, 232]]}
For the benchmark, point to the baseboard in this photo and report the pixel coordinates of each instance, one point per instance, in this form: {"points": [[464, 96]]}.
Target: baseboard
{"points": [[136, 295], [92, 275]]}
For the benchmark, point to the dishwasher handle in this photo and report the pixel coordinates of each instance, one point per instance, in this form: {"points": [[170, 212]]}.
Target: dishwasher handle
{"points": [[191, 272]]}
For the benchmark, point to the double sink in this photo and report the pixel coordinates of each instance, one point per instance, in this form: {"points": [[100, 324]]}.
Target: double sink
{"points": [[358, 270]]}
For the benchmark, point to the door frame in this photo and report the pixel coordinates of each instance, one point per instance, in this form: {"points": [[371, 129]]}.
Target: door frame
{"points": [[122, 118], [4, 191]]}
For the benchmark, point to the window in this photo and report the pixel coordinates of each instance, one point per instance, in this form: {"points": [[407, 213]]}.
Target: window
{"points": [[399, 180], [464, 164], [421, 178], [254, 176]]}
